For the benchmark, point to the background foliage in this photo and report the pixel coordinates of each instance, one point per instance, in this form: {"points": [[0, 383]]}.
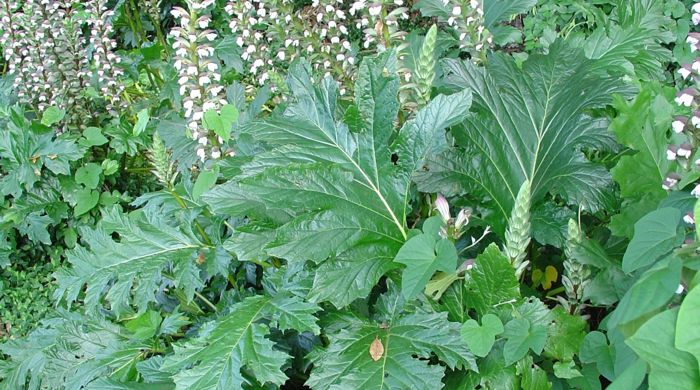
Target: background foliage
{"points": [[349, 194]]}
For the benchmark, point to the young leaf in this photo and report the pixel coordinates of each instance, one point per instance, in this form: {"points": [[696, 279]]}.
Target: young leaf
{"points": [[424, 255], [533, 377], [52, 115], [85, 200], [337, 192], [220, 123], [205, 180], [93, 137], [214, 359], [88, 175], [141, 121], [492, 281], [480, 339], [522, 336], [528, 123]]}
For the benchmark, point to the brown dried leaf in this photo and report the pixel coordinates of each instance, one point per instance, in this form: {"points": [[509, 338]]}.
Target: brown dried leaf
{"points": [[376, 349]]}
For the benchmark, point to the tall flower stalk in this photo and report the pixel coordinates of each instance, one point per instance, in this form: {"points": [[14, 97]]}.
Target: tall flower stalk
{"points": [[198, 73], [687, 127], [104, 59]]}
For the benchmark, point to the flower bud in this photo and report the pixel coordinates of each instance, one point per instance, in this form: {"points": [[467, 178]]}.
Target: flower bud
{"points": [[462, 219], [442, 207]]}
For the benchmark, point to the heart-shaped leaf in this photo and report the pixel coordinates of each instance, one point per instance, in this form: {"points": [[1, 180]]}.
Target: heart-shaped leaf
{"points": [[480, 338], [423, 255], [221, 122], [522, 336]]}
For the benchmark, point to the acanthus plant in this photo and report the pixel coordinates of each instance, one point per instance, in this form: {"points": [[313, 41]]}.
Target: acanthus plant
{"points": [[402, 226], [332, 181], [198, 75]]}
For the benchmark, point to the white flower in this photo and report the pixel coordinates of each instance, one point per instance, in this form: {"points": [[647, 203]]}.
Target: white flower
{"points": [[696, 7], [695, 119], [684, 72], [671, 153], [375, 9], [685, 150], [442, 207], [696, 19], [462, 218], [689, 219], [693, 39], [671, 180], [696, 191], [678, 126], [685, 97], [457, 11]]}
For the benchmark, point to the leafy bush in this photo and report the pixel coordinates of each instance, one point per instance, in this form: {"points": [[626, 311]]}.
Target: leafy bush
{"points": [[348, 195]]}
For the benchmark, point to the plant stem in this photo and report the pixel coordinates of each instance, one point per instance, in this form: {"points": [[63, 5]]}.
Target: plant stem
{"points": [[183, 205], [206, 301]]}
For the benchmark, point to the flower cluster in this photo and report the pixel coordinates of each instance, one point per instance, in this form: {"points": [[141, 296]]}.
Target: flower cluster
{"points": [[152, 8], [270, 34], [45, 51], [198, 73], [14, 36], [104, 59], [379, 21], [466, 18], [453, 227], [687, 127]]}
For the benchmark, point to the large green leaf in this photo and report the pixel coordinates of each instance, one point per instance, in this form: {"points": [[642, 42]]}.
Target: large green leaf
{"points": [[130, 270], [423, 255], [652, 291], [633, 41], [496, 11], [655, 235], [215, 357], [492, 281], [640, 125], [669, 367], [24, 152], [687, 335], [70, 352], [408, 340], [325, 189], [528, 123]]}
